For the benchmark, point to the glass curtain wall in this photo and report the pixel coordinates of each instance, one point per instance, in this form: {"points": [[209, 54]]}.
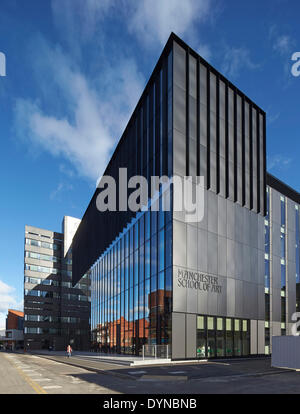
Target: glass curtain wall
{"points": [[132, 287], [267, 275], [132, 280], [297, 258], [220, 337], [283, 264]]}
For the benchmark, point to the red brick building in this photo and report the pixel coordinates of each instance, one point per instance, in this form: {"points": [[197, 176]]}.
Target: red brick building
{"points": [[14, 335]]}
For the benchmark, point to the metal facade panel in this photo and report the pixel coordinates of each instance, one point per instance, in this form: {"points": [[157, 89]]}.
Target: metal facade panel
{"points": [[179, 243], [178, 336], [179, 158], [179, 65], [253, 337], [260, 337], [192, 247], [191, 336], [202, 250]]}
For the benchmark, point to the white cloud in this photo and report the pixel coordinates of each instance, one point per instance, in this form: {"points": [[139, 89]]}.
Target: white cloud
{"points": [[273, 118], [235, 60], [61, 187], [152, 21], [278, 161], [93, 118], [66, 170], [283, 44], [84, 106], [7, 301], [79, 20], [205, 52]]}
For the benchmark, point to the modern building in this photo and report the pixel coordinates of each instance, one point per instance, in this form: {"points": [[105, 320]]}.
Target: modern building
{"points": [[56, 314], [14, 336], [282, 257], [221, 285]]}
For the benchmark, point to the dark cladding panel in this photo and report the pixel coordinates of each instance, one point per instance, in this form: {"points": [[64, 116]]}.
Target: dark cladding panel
{"points": [[193, 77], [213, 112], [239, 150], [192, 117], [203, 105], [213, 132], [192, 113], [254, 160], [222, 138], [262, 167], [230, 144], [179, 66], [179, 109]]}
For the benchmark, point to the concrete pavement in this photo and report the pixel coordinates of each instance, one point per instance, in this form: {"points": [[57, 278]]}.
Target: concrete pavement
{"points": [[29, 374], [11, 378]]}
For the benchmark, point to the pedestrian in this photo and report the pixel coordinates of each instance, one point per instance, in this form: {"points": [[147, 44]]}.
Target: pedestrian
{"points": [[69, 351]]}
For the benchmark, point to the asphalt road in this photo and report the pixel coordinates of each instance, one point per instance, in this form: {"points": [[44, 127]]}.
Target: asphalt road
{"points": [[32, 374], [29, 374]]}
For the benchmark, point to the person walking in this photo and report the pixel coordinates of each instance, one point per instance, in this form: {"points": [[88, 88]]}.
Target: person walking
{"points": [[69, 351]]}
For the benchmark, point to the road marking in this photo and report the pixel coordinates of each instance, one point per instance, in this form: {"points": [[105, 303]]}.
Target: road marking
{"points": [[177, 372], [36, 387], [137, 372], [43, 379], [50, 387], [217, 363], [217, 380]]}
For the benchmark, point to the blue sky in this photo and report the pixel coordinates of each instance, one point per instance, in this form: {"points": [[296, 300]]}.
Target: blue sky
{"points": [[74, 72]]}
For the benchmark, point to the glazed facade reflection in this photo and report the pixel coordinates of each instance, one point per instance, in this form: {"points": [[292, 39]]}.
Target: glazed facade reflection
{"points": [[297, 258], [132, 287], [132, 279]]}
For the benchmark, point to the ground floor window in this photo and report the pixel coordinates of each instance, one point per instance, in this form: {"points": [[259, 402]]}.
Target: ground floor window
{"points": [[221, 337]]}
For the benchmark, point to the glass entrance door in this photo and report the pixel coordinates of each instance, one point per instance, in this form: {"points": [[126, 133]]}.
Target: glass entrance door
{"points": [[211, 337], [222, 337], [201, 337]]}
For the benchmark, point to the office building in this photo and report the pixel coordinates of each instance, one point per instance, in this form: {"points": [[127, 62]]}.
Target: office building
{"points": [[282, 256], [222, 285], [55, 313]]}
